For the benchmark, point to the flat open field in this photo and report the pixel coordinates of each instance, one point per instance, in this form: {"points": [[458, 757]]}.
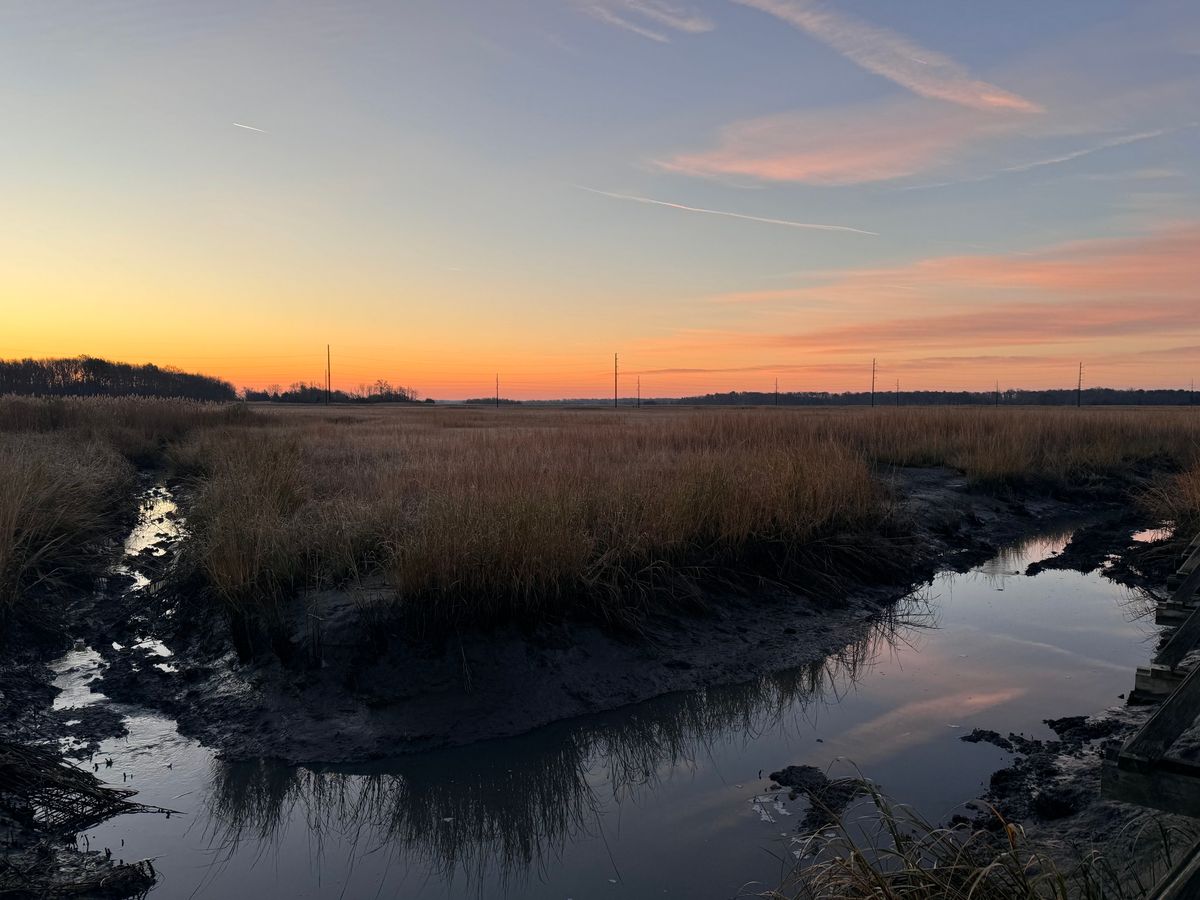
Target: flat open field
{"points": [[485, 515], [352, 583]]}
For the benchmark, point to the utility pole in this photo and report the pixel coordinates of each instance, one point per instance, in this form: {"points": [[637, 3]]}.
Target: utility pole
{"points": [[1079, 388], [639, 400], [328, 373], [997, 392], [872, 383], [897, 391], [497, 390], [776, 391], [614, 381]]}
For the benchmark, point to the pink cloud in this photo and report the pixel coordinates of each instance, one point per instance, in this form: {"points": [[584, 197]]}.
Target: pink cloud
{"points": [[893, 56], [837, 147], [1132, 289]]}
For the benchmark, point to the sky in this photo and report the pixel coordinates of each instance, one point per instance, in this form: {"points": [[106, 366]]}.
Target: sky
{"points": [[723, 192]]}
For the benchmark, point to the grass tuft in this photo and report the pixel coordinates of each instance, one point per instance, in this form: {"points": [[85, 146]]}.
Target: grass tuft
{"points": [[891, 853]]}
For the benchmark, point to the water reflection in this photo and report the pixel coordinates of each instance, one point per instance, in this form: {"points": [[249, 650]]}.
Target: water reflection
{"points": [[1013, 559], [504, 809]]}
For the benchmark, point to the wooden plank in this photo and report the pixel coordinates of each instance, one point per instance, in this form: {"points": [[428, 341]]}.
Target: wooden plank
{"points": [[1183, 881], [1187, 635], [1168, 613], [1187, 587], [1156, 681], [1190, 562], [1155, 787], [1171, 719]]}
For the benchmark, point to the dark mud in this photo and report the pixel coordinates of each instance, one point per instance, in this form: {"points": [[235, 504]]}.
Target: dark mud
{"points": [[336, 703], [827, 797], [1052, 786], [157, 649], [42, 648]]}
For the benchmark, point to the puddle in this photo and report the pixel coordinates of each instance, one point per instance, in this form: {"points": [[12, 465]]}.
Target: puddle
{"points": [[73, 673], [1150, 535], [158, 521], [664, 798]]}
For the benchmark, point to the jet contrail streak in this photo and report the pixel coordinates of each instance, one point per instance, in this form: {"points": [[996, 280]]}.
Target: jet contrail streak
{"points": [[720, 212], [250, 128]]}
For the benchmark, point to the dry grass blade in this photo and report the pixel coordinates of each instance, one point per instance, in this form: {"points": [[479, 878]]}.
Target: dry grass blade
{"points": [[891, 853]]}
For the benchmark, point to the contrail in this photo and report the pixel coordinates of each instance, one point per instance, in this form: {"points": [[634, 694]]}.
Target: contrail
{"points": [[720, 212], [1119, 141], [250, 128]]}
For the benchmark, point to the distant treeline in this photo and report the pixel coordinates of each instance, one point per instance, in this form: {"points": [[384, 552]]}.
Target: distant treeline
{"points": [[1012, 397], [1065, 397], [302, 392], [87, 376], [491, 401]]}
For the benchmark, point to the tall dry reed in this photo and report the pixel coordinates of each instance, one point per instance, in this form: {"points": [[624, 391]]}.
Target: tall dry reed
{"points": [[60, 501], [486, 515]]}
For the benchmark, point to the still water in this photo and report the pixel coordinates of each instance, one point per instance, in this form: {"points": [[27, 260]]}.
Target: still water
{"points": [[661, 799]]}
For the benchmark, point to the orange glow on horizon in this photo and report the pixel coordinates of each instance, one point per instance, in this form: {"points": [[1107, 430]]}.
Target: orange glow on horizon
{"points": [[1125, 306]]}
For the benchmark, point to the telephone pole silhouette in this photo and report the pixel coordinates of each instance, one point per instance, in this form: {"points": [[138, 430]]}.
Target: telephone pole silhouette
{"points": [[872, 383], [614, 381], [776, 391], [328, 373], [897, 391], [1079, 388], [639, 400], [497, 390]]}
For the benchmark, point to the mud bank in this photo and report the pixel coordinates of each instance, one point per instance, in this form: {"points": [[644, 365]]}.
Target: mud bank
{"points": [[340, 702], [1052, 786], [51, 709]]}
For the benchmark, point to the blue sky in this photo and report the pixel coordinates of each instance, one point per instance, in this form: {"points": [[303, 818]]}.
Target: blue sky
{"points": [[447, 189]]}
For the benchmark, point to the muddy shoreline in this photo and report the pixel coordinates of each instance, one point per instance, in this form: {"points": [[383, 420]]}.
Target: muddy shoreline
{"points": [[155, 650], [503, 682]]}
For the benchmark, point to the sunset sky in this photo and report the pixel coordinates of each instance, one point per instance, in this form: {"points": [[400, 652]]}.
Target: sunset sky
{"points": [[723, 191]]}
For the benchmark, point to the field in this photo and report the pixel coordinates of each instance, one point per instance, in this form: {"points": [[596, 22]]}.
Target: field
{"points": [[567, 530], [476, 516]]}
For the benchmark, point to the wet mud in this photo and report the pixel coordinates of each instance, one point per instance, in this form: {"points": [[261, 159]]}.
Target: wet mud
{"points": [[334, 702], [137, 644]]}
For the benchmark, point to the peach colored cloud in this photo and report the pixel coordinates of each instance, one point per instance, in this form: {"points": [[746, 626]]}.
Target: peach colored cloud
{"points": [[1129, 289], [839, 147], [893, 56]]}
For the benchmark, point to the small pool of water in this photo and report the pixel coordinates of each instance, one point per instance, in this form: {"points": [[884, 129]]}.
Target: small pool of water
{"points": [[664, 798]]}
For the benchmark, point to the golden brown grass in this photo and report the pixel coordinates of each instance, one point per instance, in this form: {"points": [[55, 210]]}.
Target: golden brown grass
{"points": [[59, 500], [1176, 499], [66, 478], [472, 516], [481, 514], [484, 515]]}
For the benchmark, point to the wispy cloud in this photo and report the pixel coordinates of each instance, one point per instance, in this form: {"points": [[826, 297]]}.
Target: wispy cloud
{"points": [[1119, 141], [634, 15], [678, 17], [788, 223], [1101, 292], [893, 56], [1108, 144], [854, 145], [249, 128]]}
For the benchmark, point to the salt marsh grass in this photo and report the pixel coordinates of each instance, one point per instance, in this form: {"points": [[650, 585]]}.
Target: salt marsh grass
{"points": [[479, 515]]}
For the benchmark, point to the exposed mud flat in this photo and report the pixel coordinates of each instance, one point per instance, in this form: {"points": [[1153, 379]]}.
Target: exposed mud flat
{"points": [[672, 793], [151, 684], [344, 703]]}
